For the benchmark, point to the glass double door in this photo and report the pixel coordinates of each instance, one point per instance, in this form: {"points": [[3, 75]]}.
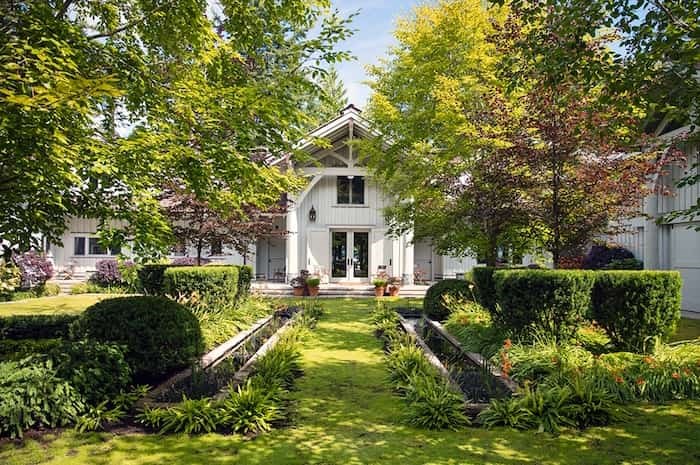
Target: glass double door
{"points": [[350, 255]]}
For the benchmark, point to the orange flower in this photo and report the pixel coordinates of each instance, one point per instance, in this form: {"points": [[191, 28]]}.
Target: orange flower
{"points": [[640, 381], [686, 371], [507, 344], [675, 376], [555, 360], [648, 360], [619, 379]]}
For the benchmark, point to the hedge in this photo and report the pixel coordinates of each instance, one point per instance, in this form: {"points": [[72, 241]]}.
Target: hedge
{"points": [[637, 307], [44, 290], [485, 286], [215, 285], [542, 302], [245, 280], [159, 335], [433, 304], [36, 326], [151, 278]]}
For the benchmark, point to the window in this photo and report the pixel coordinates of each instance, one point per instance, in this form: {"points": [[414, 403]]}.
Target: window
{"points": [[351, 190], [79, 246], [179, 249], [94, 247], [215, 248]]}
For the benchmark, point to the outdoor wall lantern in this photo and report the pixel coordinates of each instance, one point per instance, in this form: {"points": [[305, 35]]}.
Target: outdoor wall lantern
{"points": [[312, 214]]}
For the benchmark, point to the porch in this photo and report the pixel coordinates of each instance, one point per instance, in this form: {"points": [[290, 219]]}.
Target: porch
{"points": [[278, 289]]}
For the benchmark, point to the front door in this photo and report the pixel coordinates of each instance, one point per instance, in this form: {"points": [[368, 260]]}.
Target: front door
{"points": [[350, 255]]}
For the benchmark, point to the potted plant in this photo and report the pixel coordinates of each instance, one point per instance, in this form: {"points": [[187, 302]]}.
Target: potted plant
{"points": [[394, 284], [379, 286], [298, 284], [313, 284]]}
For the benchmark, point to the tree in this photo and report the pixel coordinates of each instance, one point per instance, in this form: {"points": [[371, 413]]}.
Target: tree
{"points": [[195, 222], [328, 104], [196, 97], [654, 62], [447, 127]]}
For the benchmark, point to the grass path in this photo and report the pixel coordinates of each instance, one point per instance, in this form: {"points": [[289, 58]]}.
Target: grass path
{"points": [[345, 413]]}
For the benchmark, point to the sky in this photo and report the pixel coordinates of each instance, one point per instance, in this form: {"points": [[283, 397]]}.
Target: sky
{"points": [[374, 27]]}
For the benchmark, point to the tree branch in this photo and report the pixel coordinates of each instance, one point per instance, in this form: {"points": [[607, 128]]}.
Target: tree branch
{"points": [[64, 9], [129, 25], [678, 22]]}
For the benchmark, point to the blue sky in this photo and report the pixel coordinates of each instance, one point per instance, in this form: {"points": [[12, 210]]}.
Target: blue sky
{"points": [[374, 26]]}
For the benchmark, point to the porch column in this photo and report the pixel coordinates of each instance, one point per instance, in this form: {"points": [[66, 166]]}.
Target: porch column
{"points": [[651, 233], [408, 258], [291, 245]]}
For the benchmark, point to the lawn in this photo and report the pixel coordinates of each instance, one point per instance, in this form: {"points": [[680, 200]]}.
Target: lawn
{"points": [[346, 413], [687, 329], [50, 305]]}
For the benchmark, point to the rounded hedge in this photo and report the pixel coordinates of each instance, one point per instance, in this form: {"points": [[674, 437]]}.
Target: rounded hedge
{"points": [[433, 304], [159, 335]]}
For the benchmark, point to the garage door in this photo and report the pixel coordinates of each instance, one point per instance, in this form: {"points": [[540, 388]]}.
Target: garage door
{"points": [[685, 257]]}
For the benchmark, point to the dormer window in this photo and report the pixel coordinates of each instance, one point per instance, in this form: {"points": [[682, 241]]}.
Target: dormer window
{"points": [[351, 190]]}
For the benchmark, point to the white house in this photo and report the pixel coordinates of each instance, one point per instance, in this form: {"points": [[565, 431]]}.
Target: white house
{"points": [[336, 227]]}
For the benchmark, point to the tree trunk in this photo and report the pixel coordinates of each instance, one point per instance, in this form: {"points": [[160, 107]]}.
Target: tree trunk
{"points": [[200, 245], [556, 213]]}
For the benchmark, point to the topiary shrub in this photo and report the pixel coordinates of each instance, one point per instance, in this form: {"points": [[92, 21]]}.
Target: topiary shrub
{"points": [[637, 307], [36, 326], [434, 305], [159, 335], [544, 302], [151, 278], [485, 286], [215, 286], [602, 254]]}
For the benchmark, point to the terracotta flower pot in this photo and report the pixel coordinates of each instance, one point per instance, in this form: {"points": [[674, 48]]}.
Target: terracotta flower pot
{"points": [[378, 291], [313, 291], [298, 291], [394, 291]]}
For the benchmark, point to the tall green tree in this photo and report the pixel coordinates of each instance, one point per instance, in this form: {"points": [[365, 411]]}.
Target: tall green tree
{"points": [[196, 98], [447, 127], [332, 98]]}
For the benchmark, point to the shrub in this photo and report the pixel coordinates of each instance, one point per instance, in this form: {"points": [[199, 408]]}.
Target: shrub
{"points": [[279, 366], [471, 324], [379, 282], [637, 307], [43, 290], [625, 264], [433, 404], [404, 361], [159, 335], [602, 254], [434, 305], [94, 288], [245, 281], [35, 269], [550, 302], [129, 272], [15, 350], [31, 394], [191, 416], [98, 371], [249, 409], [151, 278], [506, 412], [36, 326], [107, 273], [214, 286], [10, 278], [485, 286]]}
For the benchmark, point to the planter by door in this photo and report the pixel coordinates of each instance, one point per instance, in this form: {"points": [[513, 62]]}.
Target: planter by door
{"points": [[313, 291], [378, 291], [298, 291], [394, 291]]}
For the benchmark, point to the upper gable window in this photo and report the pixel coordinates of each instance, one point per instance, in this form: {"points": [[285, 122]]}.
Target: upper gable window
{"points": [[351, 190]]}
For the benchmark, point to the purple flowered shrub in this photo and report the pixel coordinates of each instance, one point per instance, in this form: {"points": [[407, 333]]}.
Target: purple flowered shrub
{"points": [[107, 273], [35, 269], [601, 255], [189, 261]]}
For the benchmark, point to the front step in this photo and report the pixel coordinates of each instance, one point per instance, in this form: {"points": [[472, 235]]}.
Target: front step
{"points": [[67, 284], [335, 290]]}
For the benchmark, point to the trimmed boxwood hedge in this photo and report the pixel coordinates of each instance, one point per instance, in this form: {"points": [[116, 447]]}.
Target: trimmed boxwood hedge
{"points": [[215, 285], [245, 280], [433, 304], [159, 335], [637, 307], [151, 278], [36, 326], [542, 302]]}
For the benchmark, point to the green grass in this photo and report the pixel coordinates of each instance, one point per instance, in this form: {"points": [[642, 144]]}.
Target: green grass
{"points": [[51, 305], [345, 413]]}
